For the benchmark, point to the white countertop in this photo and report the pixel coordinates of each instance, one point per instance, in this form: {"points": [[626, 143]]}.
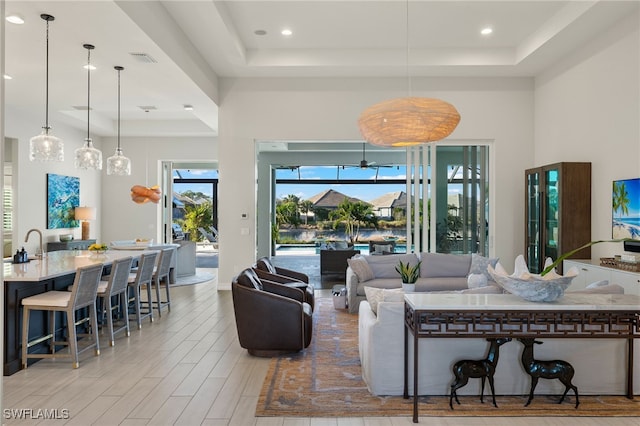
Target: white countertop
{"points": [[490, 302], [58, 263]]}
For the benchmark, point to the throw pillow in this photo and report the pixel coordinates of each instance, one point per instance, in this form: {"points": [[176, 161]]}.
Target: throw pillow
{"points": [[476, 281], [480, 263], [377, 295], [361, 268]]}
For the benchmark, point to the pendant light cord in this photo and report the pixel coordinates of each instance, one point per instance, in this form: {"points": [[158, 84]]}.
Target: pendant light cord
{"points": [[407, 52], [46, 102], [119, 69], [88, 91]]}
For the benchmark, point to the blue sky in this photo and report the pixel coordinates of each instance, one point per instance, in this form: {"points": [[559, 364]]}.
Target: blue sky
{"points": [[364, 192]]}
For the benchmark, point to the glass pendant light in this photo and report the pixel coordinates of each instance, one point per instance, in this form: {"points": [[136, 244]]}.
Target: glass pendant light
{"points": [[45, 146], [88, 157], [118, 164]]}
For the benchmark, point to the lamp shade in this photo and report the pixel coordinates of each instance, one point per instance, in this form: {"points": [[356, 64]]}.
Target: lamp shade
{"points": [[85, 213], [408, 121]]}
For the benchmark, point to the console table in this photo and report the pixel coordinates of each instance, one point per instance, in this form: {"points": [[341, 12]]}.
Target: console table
{"points": [[430, 315]]}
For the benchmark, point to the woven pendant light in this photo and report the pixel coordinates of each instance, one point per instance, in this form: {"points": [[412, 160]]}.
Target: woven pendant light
{"points": [[408, 121]]}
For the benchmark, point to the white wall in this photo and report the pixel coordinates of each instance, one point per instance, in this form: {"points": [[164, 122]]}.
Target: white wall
{"points": [[123, 219], [587, 108], [30, 178], [495, 109]]}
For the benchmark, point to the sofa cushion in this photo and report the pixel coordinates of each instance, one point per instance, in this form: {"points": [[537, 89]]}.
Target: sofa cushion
{"points": [[361, 268], [436, 265], [441, 284], [378, 283], [385, 266], [382, 248], [479, 265], [377, 295]]}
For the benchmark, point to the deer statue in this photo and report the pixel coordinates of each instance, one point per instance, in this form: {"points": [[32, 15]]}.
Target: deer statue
{"points": [[484, 369], [556, 369]]}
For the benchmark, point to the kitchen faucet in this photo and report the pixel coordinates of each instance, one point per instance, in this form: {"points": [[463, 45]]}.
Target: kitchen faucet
{"points": [[40, 253]]}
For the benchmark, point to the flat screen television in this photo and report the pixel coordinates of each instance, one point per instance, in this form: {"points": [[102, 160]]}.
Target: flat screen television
{"points": [[626, 209]]}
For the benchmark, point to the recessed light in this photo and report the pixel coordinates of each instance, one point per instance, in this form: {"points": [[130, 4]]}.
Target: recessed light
{"points": [[260, 32], [286, 32], [188, 107], [90, 67], [486, 31], [15, 19], [7, 77]]}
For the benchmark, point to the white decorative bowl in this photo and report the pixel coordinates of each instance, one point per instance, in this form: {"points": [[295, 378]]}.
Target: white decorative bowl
{"points": [[65, 237], [532, 287]]}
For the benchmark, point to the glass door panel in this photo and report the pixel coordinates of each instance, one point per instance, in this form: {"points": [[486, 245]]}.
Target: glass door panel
{"points": [[533, 222], [551, 214]]}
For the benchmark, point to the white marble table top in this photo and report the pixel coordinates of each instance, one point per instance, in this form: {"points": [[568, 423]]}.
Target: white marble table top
{"points": [[58, 263], [493, 302]]}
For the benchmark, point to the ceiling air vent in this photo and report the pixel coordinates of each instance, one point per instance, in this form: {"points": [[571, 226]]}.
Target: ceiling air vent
{"points": [[147, 108], [143, 57]]}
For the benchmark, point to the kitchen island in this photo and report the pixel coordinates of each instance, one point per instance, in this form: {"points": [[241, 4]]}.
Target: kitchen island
{"points": [[56, 271]]}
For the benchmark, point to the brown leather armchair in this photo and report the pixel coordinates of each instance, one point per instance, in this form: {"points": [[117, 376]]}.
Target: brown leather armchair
{"points": [[265, 270], [271, 318], [265, 264]]}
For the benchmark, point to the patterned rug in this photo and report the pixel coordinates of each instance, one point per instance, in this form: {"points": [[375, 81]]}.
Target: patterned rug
{"points": [[325, 381]]}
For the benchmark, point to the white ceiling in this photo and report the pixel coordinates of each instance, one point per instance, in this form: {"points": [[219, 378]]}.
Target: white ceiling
{"points": [[196, 42]]}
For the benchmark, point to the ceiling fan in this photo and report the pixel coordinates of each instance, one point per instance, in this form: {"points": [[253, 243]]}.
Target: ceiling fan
{"points": [[364, 164]]}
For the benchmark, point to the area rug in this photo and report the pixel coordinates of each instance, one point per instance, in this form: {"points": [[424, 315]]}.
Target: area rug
{"points": [[201, 276], [325, 380]]}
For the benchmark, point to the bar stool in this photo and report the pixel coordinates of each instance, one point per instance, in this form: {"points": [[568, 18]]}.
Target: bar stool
{"points": [[143, 276], [116, 287], [160, 274], [82, 295]]}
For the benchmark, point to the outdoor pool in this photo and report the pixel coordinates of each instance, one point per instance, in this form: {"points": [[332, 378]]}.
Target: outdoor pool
{"points": [[310, 249]]}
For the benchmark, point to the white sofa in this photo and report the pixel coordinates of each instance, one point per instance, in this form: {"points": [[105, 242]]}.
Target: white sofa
{"points": [[600, 363], [438, 272]]}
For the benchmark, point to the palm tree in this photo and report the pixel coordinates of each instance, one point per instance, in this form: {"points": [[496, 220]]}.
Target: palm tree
{"points": [[352, 215], [620, 198], [305, 207]]}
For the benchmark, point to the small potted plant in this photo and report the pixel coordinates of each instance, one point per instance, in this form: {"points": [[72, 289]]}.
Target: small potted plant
{"points": [[409, 274]]}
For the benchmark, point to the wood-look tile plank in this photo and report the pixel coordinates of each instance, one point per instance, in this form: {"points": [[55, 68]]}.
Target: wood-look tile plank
{"points": [[170, 410], [198, 374], [128, 402], [93, 411], [200, 404], [159, 395]]}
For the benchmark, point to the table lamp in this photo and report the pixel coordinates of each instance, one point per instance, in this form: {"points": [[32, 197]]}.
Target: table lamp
{"points": [[85, 214]]}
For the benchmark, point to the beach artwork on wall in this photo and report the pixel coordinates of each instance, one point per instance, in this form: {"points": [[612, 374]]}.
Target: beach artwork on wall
{"points": [[63, 196], [626, 209]]}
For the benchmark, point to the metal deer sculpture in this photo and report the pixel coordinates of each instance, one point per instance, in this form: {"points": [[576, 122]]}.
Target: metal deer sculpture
{"points": [[484, 369], [556, 369]]}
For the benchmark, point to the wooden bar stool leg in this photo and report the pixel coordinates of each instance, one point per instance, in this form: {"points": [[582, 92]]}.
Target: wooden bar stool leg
{"points": [[73, 345]]}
